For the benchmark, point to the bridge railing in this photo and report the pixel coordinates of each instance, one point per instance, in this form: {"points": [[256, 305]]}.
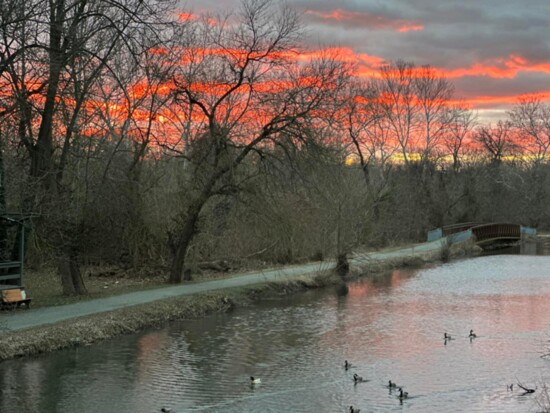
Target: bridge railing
{"points": [[448, 230], [454, 228], [461, 232], [497, 230]]}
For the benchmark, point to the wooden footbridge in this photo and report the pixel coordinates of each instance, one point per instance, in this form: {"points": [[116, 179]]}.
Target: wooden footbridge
{"points": [[485, 235]]}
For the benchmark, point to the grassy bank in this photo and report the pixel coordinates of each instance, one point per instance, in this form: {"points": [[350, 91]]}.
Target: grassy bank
{"points": [[107, 325]]}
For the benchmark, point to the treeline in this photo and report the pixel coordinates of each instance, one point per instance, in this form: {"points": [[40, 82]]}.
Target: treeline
{"points": [[134, 135]]}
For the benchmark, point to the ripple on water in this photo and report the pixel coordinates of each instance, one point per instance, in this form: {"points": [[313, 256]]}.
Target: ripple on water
{"points": [[391, 329]]}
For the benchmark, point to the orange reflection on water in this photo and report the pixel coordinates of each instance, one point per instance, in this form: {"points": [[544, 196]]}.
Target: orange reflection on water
{"points": [[150, 354]]}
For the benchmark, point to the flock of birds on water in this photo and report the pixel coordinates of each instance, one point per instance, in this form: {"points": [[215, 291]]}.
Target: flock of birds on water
{"points": [[402, 395], [391, 385]]}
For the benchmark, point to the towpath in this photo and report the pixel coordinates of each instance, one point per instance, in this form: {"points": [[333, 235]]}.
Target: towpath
{"points": [[19, 320]]}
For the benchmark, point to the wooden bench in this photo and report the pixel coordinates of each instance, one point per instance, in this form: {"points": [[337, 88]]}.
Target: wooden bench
{"points": [[14, 297]]}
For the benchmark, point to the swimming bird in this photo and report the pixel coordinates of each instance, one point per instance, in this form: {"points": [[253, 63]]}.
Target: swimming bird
{"points": [[255, 381], [165, 410], [391, 384], [352, 410], [357, 378], [347, 364], [527, 390], [472, 334], [403, 394]]}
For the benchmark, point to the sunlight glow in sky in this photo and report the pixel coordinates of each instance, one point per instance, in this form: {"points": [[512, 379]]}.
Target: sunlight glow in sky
{"points": [[493, 51]]}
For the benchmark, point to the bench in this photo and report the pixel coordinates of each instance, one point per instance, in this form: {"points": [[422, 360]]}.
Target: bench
{"points": [[14, 297]]}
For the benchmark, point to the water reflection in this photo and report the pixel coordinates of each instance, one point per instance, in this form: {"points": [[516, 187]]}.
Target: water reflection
{"points": [[523, 247], [389, 327]]}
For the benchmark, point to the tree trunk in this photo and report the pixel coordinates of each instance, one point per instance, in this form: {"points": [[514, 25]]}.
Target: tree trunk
{"points": [[64, 268], [76, 277], [41, 157], [189, 227], [184, 240], [342, 265], [3, 229], [69, 272]]}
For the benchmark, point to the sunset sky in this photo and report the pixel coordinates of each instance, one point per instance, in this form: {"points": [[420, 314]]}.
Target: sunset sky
{"points": [[492, 50]]}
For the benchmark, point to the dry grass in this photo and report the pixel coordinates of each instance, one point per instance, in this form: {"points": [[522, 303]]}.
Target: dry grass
{"points": [[45, 290], [44, 286], [305, 282], [465, 249], [371, 267], [87, 330]]}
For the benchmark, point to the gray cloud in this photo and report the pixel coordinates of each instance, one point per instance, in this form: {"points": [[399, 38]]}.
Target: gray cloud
{"points": [[456, 35]]}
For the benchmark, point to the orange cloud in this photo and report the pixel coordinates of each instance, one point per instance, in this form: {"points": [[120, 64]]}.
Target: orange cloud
{"points": [[499, 68], [342, 54], [363, 19], [187, 17], [496, 101], [411, 28]]}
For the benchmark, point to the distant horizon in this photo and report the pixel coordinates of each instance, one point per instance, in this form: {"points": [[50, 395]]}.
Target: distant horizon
{"points": [[492, 52]]}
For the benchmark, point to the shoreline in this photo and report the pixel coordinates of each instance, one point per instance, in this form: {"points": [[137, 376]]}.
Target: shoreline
{"points": [[90, 329]]}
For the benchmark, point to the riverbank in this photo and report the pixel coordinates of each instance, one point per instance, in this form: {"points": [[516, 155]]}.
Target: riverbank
{"points": [[180, 302]]}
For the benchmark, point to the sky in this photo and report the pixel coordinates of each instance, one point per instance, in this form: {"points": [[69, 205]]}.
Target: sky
{"points": [[493, 51]]}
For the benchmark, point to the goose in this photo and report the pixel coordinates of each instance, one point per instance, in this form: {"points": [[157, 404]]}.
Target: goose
{"points": [[527, 390], [347, 365], [403, 394], [352, 410], [357, 378], [472, 334], [255, 381], [391, 384]]}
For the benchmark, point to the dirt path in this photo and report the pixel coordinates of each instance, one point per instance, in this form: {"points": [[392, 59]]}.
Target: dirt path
{"points": [[22, 319]]}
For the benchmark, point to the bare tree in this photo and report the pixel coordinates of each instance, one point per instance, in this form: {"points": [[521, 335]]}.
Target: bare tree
{"points": [[243, 85], [462, 122], [398, 102], [531, 118], [360, 112], [415, 102], [370, 136], [433, 93], [53, 57], [497, 141]]}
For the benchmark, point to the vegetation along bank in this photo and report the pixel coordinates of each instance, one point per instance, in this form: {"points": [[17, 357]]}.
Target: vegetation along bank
{"points": [[107, 325]]}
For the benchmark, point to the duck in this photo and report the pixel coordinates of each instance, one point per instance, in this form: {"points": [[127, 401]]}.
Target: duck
{"points": [[391, 385], [347, 364], [403, 394], [357, 378], [472, 334], [255, 381], [166, 410], [352, 410]]}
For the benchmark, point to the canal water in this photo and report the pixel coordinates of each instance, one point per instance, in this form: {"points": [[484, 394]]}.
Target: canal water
{"points": [[389, 329]]}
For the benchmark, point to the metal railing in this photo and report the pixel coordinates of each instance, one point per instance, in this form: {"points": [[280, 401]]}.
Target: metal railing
{"points": [[496, 231]]}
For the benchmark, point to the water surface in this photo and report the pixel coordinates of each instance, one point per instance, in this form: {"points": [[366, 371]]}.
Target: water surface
{"points": [[390, 328]]}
